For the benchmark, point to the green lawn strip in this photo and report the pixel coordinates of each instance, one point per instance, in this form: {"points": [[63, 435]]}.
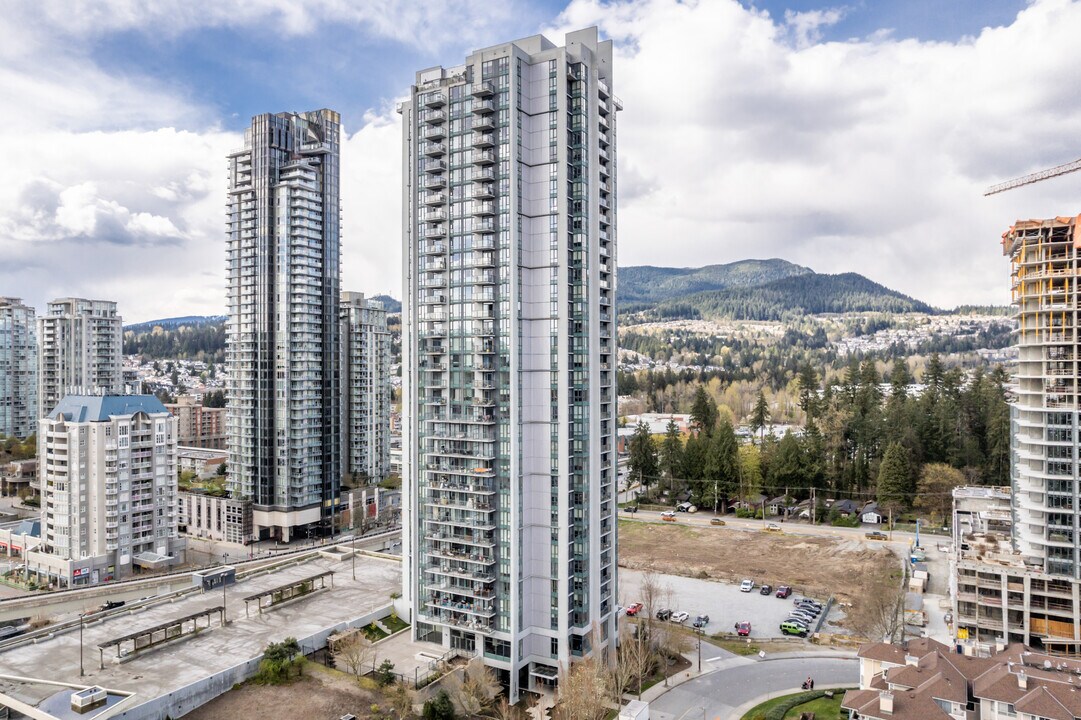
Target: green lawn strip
{"points": [[790, 706]]}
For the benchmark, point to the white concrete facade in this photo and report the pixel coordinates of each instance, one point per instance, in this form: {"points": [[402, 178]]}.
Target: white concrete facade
{"points": [[1044, 413], [108, 481], [80, 349], [509, 333]]}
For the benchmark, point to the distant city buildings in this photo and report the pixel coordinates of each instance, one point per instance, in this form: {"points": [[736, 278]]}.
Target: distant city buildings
{"points": [[282, 335], [509, 341], [198, 426], [80, 350], [214, 517], [366, 391], [18, 369], [107, 466]]}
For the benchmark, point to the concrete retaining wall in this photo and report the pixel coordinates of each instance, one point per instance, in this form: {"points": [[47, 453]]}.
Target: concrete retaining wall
{"points": [[183, 700]]}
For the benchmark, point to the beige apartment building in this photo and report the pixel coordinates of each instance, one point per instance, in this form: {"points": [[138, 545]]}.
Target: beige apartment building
{"points": [[198, 426], [108, 479]]}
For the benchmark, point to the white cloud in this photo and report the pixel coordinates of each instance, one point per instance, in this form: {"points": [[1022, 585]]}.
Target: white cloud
{"points": [[420, 23], [867, 156], [806, 27]]}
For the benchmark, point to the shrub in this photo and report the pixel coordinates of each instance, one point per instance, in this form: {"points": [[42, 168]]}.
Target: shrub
{"points": [[778, 711], [385, 674], [438, 708]]}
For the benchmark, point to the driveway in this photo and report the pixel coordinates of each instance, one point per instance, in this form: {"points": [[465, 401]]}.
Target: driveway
{"points": [[716, 695]]}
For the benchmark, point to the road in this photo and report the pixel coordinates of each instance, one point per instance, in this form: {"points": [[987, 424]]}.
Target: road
{"points": [[716, 695]]}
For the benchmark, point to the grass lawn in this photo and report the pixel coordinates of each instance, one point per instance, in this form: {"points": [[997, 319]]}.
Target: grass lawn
{"points": [[373, 632], [823, 708], [395, 623]]}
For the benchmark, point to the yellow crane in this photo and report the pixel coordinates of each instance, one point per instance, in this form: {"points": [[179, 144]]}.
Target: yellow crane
{"points": [[1034, 177]]}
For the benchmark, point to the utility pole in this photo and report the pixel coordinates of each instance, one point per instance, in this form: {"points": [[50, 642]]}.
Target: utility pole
{"points": [[80, 646], [698, 632], [891, 524], [224, 610], [354, 556], [814, 506]]}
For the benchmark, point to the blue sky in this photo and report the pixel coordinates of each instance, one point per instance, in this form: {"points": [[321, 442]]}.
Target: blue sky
{"points": [[848, 137], [242, 71]]}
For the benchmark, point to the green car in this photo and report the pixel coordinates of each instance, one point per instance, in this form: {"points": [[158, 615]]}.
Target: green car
{"points": [[791, 628]]}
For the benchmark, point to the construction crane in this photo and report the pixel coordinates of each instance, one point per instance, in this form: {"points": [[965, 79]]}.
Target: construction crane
{"points": [[1034, 177]]}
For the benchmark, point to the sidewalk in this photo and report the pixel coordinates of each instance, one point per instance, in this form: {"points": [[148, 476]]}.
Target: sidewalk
{"points": [[721, 659]]}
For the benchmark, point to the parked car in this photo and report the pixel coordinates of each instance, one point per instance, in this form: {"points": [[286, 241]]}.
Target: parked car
{"points": [[783, 591], [633, 609], [798, 621], [631, 509], [111, 605], [9, 631], [772, 527], [664, 614], [746, 586], [701, 621], [876, 535], [743, 628], [680, 617], [766, 590], [805, 617], [716, 521], [807, 602], [791, 628]]}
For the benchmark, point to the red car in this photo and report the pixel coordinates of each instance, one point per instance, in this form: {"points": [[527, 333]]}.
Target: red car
{"points": [[743, 629], [784, 591], [633, 609]]}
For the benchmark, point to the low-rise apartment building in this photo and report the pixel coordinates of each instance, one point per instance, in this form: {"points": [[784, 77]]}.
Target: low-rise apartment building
{"points": [[202, 462], [925, 680], [213, 517], [197, 425], [20, 477]]}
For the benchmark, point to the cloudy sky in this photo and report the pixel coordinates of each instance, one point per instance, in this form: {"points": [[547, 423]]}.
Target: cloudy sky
{"points": [[851, 136]]}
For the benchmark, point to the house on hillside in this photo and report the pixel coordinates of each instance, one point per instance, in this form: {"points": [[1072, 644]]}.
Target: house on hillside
{"points": [[845, 507], [870, 514]]}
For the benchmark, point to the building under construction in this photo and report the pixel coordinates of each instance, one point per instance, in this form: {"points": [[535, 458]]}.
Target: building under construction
{"points": [[1044, 412]]}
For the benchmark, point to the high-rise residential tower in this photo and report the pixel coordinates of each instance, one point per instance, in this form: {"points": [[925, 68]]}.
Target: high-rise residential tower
{"points": [[18, 369], [282, 347], [366, 397], [80, 350], [1044, 414], [107, 467], [509, 349]]}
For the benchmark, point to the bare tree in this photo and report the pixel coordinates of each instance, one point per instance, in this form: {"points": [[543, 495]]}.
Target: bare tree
{"points": [[667, 639], [355, 653], [879, 612], [475, 690], [628, 668], [583, 692], [401, 700]]}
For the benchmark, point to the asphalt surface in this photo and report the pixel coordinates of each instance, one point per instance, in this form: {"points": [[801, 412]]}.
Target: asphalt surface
{"points": [[722, 602], [716, 695]]}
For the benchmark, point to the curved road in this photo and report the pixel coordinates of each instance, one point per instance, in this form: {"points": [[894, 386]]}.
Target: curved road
{"points": [[716, 695]]}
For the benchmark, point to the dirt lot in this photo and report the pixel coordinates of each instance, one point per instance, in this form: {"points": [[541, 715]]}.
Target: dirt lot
{"points": [[816, 566], [321, 693]]}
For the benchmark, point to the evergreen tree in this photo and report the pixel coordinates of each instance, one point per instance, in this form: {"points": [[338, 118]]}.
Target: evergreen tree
{"points": [[642, 460], [893, 478], [760, 415], [671, 453], [704, 411]]}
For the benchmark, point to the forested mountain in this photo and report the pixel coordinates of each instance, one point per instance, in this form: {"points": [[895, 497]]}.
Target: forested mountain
{"points": [[173, 323], [203, 339], [642, 286], [391, 305], [804, 294]]}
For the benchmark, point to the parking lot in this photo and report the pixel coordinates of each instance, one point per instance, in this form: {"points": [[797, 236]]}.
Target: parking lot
{"points": [[723, 602]]}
